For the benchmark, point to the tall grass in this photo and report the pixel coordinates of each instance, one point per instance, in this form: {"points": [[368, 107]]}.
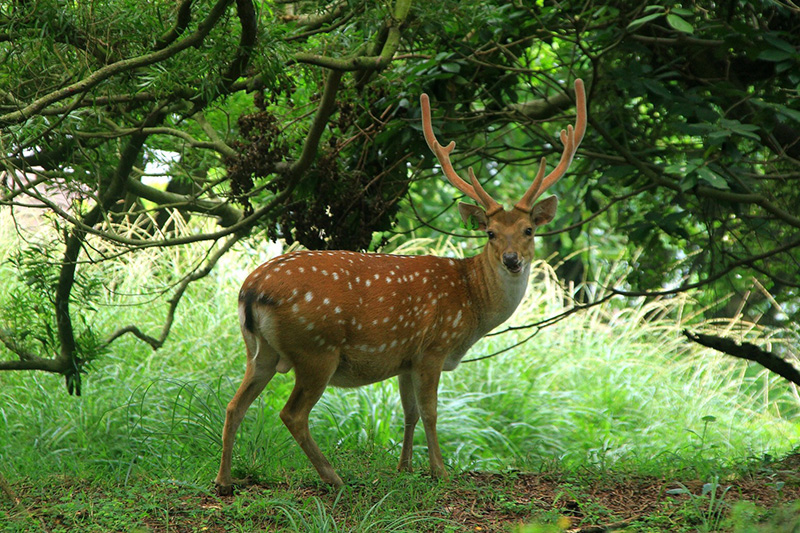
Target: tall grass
{"points": [[615, 385]]}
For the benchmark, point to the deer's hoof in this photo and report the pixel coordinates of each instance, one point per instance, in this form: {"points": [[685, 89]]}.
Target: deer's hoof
{"points": [[224, 490]]}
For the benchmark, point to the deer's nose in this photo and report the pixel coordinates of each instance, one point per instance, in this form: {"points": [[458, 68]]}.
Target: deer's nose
{"points": [[511, 261]]}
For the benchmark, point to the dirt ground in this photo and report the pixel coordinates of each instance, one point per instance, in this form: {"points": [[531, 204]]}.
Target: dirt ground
{"points": [[506, 502], [477, 502]]}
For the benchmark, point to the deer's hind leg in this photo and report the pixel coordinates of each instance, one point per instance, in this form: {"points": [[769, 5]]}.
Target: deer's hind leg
{"points": [[262, 361], [312, 374]]}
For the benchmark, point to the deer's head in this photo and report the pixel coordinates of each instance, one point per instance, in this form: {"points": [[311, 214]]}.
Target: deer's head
{"points": [[510, 232]]}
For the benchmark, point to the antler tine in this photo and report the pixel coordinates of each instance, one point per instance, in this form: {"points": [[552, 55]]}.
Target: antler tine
{"points": [[442, 153], [484, 199], [542, 183], [537, 181], [570, 138]]}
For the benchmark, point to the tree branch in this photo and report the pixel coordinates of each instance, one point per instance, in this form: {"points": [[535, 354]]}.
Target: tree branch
{"points": [[156, 343], [227, 213], [217, 144], [102, 74], [10, 342], [748, 351], [374, 62], [316, 20], [181, 23], [324, 110], [541, 108], [701, 190], [46, 364], [747, 261], [247, 40]]}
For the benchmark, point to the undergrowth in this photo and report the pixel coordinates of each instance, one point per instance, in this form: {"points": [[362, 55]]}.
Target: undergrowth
{"points": [[611, 389]]}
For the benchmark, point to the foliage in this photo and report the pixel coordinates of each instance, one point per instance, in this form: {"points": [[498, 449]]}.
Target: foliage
{"points": [[24, 318], [300, 121]]}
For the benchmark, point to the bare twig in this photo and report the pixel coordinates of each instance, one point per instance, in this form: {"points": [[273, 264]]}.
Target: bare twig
{"points": [[157, 342], [541, 324]]}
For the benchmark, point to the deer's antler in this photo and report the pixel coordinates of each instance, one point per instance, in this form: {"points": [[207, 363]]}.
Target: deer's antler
{"points": [[442, 153], [571, 138]]}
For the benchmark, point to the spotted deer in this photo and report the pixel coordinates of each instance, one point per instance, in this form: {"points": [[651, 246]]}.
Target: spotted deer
{"points": [[349, 319]]}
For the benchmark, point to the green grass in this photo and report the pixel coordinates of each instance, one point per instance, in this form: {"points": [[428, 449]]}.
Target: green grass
{"points": [[611, 391]]}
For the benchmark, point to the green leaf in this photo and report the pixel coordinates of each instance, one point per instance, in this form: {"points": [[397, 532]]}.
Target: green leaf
{"points": [[641, 21], [780, 44], [774, 55], [778, 108], [657, 88], [788, 112], [454, 68], [672, 224], [712, 178], [679, 24], [681, 11], [685, 167], [734, 126], [688, 182]]}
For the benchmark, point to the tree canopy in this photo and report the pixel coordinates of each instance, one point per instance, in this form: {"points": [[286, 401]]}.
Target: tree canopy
{"points": [[300, 121]]}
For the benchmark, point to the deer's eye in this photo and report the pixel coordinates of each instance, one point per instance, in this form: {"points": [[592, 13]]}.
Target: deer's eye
{"points": [[528, 232], [490, 234]]}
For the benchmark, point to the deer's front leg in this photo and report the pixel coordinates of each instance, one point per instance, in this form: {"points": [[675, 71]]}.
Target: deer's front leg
{"points": [[410, 416], [426, 385]]}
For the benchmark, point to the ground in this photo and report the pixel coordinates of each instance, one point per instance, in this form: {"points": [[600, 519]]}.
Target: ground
{"points": [[471, 501]]}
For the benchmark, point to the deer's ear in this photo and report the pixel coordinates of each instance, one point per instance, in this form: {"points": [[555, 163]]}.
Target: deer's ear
{"points": [[473, 216], [544, 211]]}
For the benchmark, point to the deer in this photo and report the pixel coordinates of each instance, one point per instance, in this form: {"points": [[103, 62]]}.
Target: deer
{"points": [[348, 319]]}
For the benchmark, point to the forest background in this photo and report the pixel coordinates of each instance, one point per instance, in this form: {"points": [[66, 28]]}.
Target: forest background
{"points": [[182, 135]]}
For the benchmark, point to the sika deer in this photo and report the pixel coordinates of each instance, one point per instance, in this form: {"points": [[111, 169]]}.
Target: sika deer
{"points": [[349, 319]]}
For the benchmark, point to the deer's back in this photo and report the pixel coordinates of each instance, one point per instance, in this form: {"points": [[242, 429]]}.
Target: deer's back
{"points": [[380, 313]]}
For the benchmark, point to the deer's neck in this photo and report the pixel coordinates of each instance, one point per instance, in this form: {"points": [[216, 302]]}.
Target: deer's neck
{"points": [[495, 292]]}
